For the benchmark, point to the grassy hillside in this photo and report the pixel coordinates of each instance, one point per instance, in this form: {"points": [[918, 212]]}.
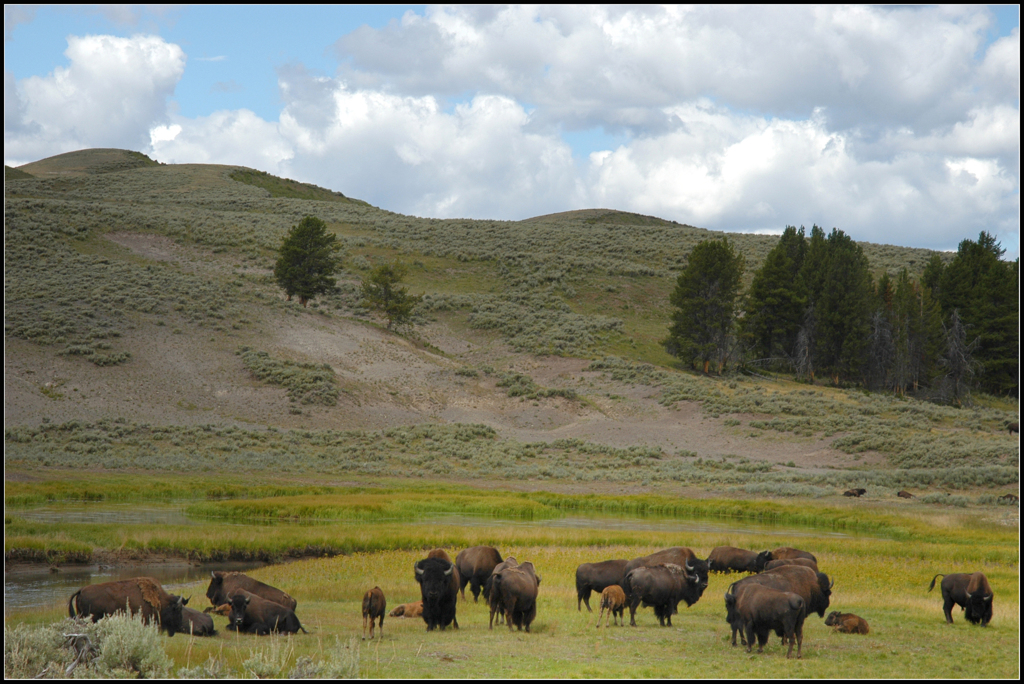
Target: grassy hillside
{"points": [[139, 297]]}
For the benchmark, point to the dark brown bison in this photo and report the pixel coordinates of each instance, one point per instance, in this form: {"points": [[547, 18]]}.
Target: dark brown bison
{"points": [[785, 552], [140, 594], [439, 589], [596, 577], [855, 492], [695, 569], [256, 615], [730, 559], [374, 606], [409, 610], [758, 610], [195, 623], [493, 595], [971, 592], [904, 494], [1010, 498], [475, 565], [813, 587], [662, 587], [1013, 427], [223, 585], [517, 588], [806, 562], [614, 600], [847, 623]]}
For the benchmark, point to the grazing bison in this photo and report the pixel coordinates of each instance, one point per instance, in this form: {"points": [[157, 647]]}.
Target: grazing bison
{"points": [[855, 492], [493, 593], [410, 610], [140, 594], [904, 494], [257, 615], [439, 589], [614, 599], [786, 552], [758, 610], [597, 577], [806, 562], [847, 623], [971, 592], [517, 588], [662, 587], [195, 623], [475, 565], [1010, 498], [813, 587], [730, 559], [224, 584], [374, 606], [1013, 427]]}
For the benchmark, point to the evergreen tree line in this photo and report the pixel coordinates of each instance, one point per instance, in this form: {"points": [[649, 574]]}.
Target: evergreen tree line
{"points": [[813, 308]]}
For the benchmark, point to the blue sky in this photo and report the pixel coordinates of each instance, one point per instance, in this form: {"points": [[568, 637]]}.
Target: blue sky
{"points": [[895, 124]]}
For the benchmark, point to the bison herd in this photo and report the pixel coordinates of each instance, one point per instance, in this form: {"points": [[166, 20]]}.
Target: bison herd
{"points": [[783, 587]]}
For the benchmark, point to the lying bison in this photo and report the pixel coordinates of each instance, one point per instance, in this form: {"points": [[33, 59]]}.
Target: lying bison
{"points": [[374, 606], [904, 494], [758, 610], [256, 615], [971, 592], [195, 623], [614, 600], [855, 492], [224, 584], [597, 577], [730, 559], [439, 589], [516, 588], [805, 562], [142, 595], [475, 565], [847, 623], [409, 610]]}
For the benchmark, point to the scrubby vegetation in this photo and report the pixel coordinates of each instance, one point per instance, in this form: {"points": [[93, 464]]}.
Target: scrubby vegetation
{"points": [[307, 383]]}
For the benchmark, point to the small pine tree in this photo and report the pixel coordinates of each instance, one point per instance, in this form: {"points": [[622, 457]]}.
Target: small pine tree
{"points": [[307, 260], [381, 292], [705, 298]]}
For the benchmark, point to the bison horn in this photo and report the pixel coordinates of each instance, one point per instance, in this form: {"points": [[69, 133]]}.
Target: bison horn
{"points": [[247, 600], [417, 568], [832, 584], [968, 595], [449, 570], [689, 567], [185, 601]]}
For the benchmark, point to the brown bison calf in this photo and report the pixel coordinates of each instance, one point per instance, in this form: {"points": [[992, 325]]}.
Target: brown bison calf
{"points": [[614, 599], [847, 623], [374, 606], [410, 610]]}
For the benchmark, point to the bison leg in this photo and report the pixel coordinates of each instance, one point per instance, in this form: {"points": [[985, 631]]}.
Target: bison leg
{"points": [[599, 618], [748, 629], [585, 597], [632, 611], [381, 625], [364, 627], [947, 608]]}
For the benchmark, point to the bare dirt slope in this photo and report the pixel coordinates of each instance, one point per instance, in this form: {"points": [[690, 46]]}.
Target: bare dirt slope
{"points": [[182, 375]]}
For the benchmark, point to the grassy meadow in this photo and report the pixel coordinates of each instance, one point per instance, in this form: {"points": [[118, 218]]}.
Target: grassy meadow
{"points": [[881, 556]]}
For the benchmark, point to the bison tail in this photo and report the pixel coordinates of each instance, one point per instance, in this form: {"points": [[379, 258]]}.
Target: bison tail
{"points": [[73, 612], [932, 585]]}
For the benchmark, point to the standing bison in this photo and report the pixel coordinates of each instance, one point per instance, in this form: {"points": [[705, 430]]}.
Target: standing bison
{"points": [[439, 588], [256, 615], [475, 565], [224, 584], [516, 588], [374, 606], [971, 592], [847, 623], [813, 587], [806, 562], [597, 577], [786, 552], [140, 594], [662, 587], [758, 610], [614, 600], [492, 591], [730, 559]]}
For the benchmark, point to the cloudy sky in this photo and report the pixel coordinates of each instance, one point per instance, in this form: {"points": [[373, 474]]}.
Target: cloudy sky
{"points": [[897, 125]]}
